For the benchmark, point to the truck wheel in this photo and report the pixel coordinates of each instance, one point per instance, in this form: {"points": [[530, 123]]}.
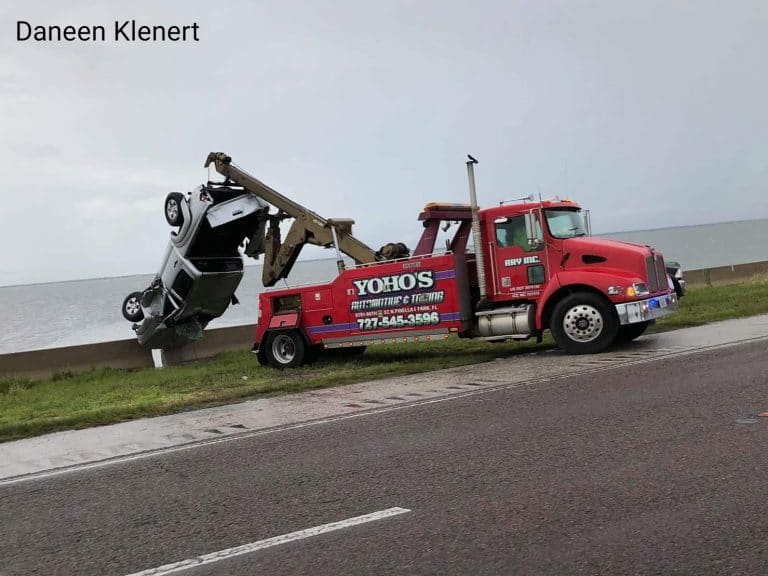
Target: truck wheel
{"points": [[173, 214], [584, 323], [132, 307], [629, 332], [285, 349]]}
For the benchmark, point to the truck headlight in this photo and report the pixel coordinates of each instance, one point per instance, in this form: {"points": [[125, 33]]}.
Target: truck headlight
{"points": [[637, 289]]}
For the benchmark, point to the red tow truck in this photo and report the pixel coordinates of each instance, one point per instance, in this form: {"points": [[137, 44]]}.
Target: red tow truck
{"points": [[532, 266]]}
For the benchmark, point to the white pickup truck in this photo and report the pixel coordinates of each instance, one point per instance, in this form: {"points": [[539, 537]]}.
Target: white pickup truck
{"points": [[202, 265]]}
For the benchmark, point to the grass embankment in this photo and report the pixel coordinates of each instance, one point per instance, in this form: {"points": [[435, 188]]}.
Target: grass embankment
{"points": [[28, 408]]}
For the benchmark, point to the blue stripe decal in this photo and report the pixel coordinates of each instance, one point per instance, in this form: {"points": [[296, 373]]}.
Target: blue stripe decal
{"points": [[331, 328], [445, 275], [450, 316]]}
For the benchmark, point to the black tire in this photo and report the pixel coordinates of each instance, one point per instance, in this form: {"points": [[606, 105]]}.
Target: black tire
{"points": [[629, 332], [261, 355], [285, 349], [173, 203], [132, 307], [584, 323]]}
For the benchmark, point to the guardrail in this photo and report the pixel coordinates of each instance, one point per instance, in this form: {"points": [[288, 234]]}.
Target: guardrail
{"points": [[128, 354]]}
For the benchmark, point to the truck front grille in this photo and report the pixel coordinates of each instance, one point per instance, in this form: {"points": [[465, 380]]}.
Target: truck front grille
{"points": [[661, 272], [657, 273], [650, 269]]}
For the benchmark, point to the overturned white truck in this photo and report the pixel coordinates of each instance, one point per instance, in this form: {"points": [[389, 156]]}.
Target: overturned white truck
{"points": [[202, 266]]}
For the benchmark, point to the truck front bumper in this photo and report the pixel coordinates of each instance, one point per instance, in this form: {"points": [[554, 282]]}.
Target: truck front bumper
{"points": [[648, 309]]}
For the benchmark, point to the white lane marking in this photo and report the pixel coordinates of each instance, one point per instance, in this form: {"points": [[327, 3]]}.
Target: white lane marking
{"points": [[362, 413], [269, 542]]}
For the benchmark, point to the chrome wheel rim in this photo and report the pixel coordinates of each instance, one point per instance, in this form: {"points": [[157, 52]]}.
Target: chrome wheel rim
{"points": [[172, 210], [283, 349], [583, 323], [132, 306]]}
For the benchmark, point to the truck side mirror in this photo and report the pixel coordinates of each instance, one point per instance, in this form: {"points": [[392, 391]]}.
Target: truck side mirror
{"points": [[530, 229], [588, 222]]}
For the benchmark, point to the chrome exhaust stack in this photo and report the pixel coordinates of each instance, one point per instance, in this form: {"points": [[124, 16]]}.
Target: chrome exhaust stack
{"points": [[476, 236]]}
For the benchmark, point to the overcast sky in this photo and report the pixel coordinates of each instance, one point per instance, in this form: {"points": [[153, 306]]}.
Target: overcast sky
{"points": [[366, 110]]}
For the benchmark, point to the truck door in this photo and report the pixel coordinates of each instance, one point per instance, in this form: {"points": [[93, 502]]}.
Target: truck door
{"points": [[519, 267]]}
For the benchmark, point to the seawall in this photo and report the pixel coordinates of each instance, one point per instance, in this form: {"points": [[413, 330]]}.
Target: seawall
{"points": [[125, 354]]}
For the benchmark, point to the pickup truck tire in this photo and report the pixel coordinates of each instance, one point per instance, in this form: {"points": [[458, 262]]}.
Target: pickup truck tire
{"points": [[173, 213], [285, 349], [584, 323], [132, 307], [629, 332]]}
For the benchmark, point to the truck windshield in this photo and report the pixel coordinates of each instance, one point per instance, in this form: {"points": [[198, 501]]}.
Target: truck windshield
{"points": [[565, 223]]}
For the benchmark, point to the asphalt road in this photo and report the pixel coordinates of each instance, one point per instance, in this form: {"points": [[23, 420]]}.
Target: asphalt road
{"points": [[655, 468]]}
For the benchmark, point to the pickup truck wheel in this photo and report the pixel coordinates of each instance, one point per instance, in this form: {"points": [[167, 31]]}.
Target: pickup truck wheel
{"points": [[629, 332], [584, 323], [173, 214], [132, 307], [286, 349]]}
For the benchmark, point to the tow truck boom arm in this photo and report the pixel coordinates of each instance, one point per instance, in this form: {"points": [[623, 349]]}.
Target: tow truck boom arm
{"points": [[307, 228]]}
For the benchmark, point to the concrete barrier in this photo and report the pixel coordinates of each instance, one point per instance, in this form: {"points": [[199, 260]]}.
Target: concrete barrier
{"points": [[37, 364], [725, 274]]}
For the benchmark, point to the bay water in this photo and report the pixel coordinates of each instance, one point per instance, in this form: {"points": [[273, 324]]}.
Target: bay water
{"points": [[38, 316]]}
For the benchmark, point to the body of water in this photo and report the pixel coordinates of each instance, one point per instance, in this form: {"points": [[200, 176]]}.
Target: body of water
{"points": [[57, 314]]}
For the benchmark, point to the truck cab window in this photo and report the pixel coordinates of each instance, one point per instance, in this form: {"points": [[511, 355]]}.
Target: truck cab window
{"points": [[565, 223], [511, 232]]}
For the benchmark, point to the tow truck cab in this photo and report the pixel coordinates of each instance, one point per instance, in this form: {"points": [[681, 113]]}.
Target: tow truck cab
{"points": [[561, 257]]}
